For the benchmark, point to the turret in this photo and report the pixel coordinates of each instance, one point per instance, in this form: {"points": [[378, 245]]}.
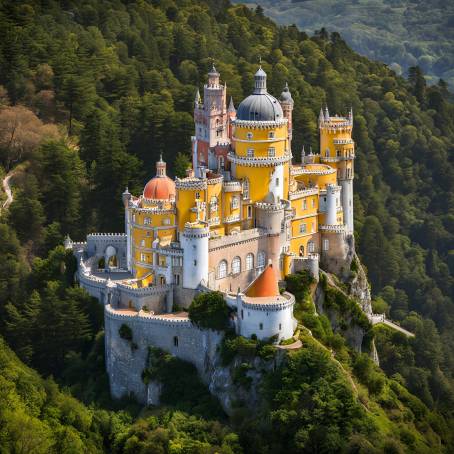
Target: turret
{"points": [[213, 77], [287, 107], [194, 242], [126, 196]]}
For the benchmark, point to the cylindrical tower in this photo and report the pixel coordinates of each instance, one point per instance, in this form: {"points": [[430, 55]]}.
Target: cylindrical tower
{"points": [[261, 142], [332, 195], [337, 149], [194, 242]]}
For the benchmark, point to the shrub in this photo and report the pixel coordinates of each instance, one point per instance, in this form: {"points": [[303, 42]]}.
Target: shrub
{"points": [[125, 332], [210, 311]]}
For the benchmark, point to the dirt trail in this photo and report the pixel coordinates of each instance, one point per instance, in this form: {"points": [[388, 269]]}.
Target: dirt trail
{"points": [[8, 191]]}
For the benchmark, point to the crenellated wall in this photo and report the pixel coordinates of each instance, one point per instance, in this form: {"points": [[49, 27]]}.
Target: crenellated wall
{"points": [[125, 360]]}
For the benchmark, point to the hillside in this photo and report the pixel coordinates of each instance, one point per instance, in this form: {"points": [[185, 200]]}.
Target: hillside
{"points": [[401, 33], [92, 92]]}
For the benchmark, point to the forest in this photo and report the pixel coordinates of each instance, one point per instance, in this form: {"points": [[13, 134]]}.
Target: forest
{"points": [[91, 92], [401, 33]]}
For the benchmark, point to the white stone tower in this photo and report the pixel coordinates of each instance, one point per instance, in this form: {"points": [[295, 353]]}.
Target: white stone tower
{"points": [[194, 242]]}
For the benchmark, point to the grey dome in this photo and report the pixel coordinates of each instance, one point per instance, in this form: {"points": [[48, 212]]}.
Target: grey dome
{"points": [[260, 106]]}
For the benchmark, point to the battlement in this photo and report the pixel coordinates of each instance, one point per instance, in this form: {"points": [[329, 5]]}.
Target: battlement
{"points": [[259, 161], [260, 124], [147, 317], [236, 238]]}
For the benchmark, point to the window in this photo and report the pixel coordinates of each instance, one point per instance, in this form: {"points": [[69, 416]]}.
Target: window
{"points": [[242, 314], [249, 261], [325, 245], [327, 153], [222, 269], [261, 326], [133, 218], [250, 152], [249, 211], [143, 258], [280, 326], [271, 135], [176, 278], [302, 227], [221, 163], [246, 189], [249, 135], [197, 195], [175, 341], [236, 265], [304, 204], [313, 203], [261, 258], [142, 243], [195, 262], [311, 246], [338, 153], [147, 221], [214, 204], [277, 182], [271, 152], [235, 202], [166, 221]]}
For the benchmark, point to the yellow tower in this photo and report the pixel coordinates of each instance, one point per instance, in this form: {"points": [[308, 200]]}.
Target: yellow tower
{"points": [[337, 150], [261, 149]]}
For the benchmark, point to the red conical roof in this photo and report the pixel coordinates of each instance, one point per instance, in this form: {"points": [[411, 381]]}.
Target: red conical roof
{"points": [[265, 285]]}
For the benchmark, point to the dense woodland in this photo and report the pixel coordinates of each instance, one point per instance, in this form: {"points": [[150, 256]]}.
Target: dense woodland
{"points": [[401, 33], [91, 92]]}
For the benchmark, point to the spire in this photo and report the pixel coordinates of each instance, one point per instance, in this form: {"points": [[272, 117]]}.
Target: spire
{"points": [[326, 113], [260, 82], [350, 115], [197, 99], [303, 155], [231, 105], [321, 117]]}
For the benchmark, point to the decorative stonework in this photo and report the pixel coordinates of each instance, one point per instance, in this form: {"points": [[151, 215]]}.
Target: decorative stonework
{"points": [[258, 161]]}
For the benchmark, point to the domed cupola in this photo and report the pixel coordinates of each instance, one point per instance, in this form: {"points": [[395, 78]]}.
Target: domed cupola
{"points": [[260, 106], [286, 96], [161, 187]]}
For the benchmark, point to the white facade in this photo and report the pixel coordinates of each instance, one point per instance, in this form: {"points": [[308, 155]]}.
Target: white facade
{"points": [[194, 242], [347, 203], [266, 317], [332, 203]]}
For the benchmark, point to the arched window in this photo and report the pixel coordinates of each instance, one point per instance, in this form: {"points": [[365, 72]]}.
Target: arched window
{"points": [[311, 246], [246, 189], [236, 265], [222, 269], [250, 261], [249, 135], [261, 259], [221, 163], [327, 152], [147, 221], [301, 251]]}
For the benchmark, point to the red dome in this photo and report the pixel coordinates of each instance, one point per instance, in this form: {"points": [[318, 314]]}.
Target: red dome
{"points": [[162, 188]]}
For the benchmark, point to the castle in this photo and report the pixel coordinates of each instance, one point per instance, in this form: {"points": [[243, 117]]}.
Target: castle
{"points": [[242, 219]]}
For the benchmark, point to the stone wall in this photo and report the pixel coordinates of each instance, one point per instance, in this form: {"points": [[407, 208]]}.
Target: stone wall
{"points": [[125, 362]]}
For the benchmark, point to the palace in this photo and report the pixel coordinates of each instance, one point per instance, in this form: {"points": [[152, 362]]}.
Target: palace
{"points": [[242, 219]]}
